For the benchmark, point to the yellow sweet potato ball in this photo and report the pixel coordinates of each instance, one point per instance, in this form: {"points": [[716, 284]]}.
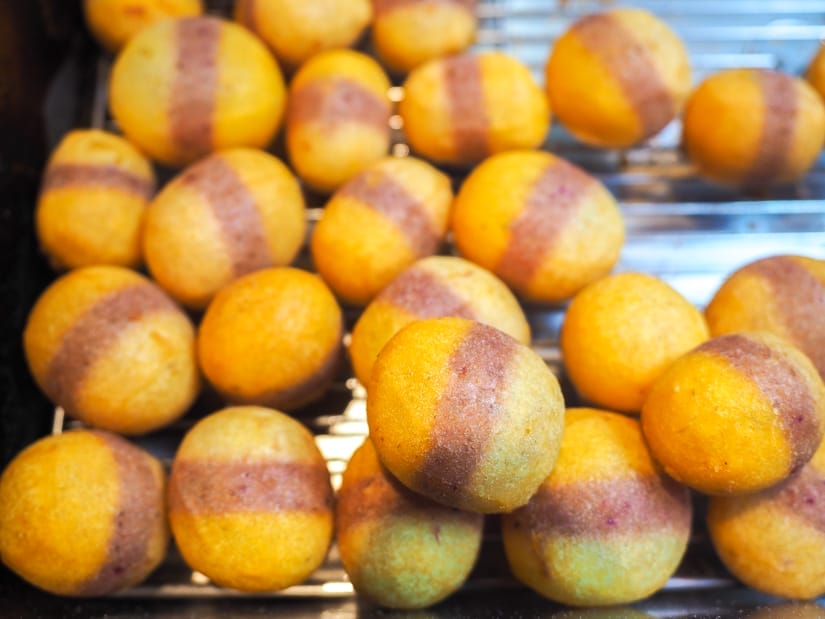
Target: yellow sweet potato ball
{"points": [[234, 212], [250, 500], [461, 109], [296, 31], [83, 513], [114, 22], [338, 118], [408, 33], [93, 196], [784, 295], [183, 88]]}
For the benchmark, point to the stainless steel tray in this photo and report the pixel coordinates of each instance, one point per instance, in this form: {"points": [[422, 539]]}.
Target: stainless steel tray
{"points": [[679, 227]]}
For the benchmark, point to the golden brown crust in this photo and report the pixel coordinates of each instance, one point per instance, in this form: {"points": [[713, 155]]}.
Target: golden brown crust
{"points": [[233, 207], [63, 175], [468, 411], [781, 383], [194, 85], [384, 195], [551, 203], [92, 333], [781, 102], [329, 102], [213, 487], [631, 66], [465, 99]]}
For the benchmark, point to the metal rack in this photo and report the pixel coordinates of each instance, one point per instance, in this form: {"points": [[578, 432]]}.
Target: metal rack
{"points": [[679, 227]]}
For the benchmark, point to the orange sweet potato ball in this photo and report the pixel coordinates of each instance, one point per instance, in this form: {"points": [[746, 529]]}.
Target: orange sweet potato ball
{"points": [[621, 332], [379, 223], [736, 415], [753, 127], [433, 287], [272, 338], [618, 77], [83, 513], [543, 225], [114, 22]]}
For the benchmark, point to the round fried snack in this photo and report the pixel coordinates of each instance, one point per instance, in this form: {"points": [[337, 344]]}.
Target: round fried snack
{"points": [[83, 514], [183, 88], [434, 287], [272, 338], [461, 109], [92, 199], [338, 118], [399, 549], [237, 211], [772, 540], [464, 414], [621, 332], [618, 77], [815, 73], [543, 225], [378, 224], [408, 33], [114, 22], [784, 295], [607, 526], [296, 31], [250, 500], [113, 350], [753, 127], [736, 415]]}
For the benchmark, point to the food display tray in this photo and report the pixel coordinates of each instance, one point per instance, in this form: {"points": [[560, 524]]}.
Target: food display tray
{"points": [[687, 231]]}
